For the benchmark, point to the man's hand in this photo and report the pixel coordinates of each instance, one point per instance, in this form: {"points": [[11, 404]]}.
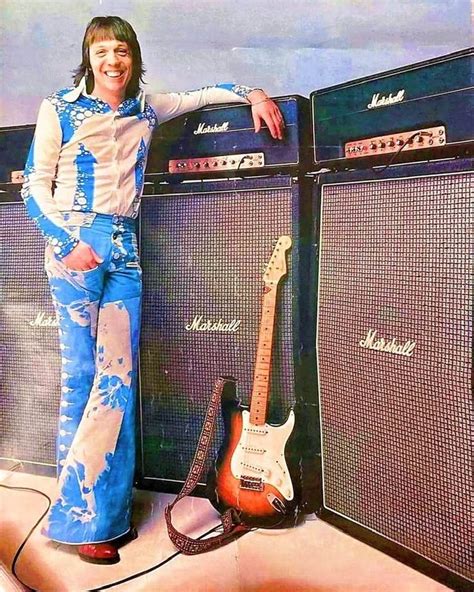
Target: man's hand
{"points": [[264, 108], [82, 258]]}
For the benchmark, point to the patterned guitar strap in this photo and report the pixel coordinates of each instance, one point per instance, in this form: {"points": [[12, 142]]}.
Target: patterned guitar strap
{"points": [[233, 527]]}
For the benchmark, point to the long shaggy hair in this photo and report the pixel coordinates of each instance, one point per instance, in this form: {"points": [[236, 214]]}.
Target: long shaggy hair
{"points": [[104, 28]]}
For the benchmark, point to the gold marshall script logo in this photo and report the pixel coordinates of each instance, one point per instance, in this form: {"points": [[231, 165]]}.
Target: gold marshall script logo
{"points": [[391, 346], [198, 324], [42, 320]]}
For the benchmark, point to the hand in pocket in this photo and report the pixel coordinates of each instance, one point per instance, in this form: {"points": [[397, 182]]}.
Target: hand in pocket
{"points": [[82, 258]]}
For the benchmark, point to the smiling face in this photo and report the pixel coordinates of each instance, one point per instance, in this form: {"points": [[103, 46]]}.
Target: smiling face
{"points": [[111, 64]]}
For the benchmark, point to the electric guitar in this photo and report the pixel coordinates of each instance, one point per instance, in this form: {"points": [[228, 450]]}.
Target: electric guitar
{"points": [[251, 473]]}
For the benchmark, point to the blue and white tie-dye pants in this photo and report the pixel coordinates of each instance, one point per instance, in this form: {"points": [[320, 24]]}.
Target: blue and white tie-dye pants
{"points": [[99, 326]]}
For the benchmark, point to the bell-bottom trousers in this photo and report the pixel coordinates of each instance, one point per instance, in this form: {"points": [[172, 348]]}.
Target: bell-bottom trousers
{"points": [[99, 326]]}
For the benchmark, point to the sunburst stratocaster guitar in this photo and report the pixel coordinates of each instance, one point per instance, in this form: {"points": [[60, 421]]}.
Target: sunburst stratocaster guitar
{"points": [[252, 474]]}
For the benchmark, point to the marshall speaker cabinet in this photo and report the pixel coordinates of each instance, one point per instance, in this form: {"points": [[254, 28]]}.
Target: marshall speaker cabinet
{"points": [[204, 246], [29, 348], [421, 111], [394, 338]]}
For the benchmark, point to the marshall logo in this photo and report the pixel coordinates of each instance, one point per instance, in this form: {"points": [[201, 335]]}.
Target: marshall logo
{"points": [[203, 128], [198, 324], [391, 346], [44, 321], [383, 101]]}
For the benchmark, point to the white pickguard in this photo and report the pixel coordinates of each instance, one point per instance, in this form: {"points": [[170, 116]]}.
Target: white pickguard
{"points": [[260, 453]]}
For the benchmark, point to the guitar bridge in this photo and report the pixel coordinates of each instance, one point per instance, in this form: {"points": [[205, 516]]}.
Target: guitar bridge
{"points": [[251, 483]]}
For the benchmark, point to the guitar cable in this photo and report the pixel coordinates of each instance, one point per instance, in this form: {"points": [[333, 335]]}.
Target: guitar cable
{"points": [[397, 153], [104, 587], [33, 528]]}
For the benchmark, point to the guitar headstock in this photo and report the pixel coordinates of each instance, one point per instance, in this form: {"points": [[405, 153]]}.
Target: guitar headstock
{"points": [[276, 267]]}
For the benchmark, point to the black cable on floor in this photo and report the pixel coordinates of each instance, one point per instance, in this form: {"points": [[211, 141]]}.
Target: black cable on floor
{"points": [[20, 548], [150, 569], [116, 583]]}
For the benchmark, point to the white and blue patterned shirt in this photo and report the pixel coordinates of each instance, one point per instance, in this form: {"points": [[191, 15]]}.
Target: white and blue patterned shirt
{"points": [[96, 156]]}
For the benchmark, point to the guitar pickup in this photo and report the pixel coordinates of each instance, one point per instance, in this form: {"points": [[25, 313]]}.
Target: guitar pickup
{"points": [[251, 483], [253, 450]]}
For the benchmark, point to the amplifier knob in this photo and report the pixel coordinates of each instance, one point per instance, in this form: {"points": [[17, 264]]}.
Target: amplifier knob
{"points": [[215, 163], [419, 139], [197, 165], [390, 143], [373, 146], [206, 165], [399, 142], [381, 144], [224, 162]]}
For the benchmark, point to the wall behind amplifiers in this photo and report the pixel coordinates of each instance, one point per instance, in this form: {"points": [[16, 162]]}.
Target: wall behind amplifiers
{"points": [[394, 338]]}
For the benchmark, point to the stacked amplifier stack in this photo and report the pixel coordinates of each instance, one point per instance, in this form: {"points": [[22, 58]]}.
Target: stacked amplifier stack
{"points": [[394, 310], [221, 197]]}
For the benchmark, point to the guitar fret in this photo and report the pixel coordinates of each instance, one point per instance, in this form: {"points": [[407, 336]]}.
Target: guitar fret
{"points": [[260, 390]]}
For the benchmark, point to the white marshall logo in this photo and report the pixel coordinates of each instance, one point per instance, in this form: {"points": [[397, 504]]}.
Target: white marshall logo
{"points": [[391, 346], [198, 324], [384, 101], [44, 321], [202, 128]]}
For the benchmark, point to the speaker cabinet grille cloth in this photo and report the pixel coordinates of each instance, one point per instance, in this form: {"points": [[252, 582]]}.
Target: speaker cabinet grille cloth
{"points": [[396, 426], [29, 349], [203, 256]]}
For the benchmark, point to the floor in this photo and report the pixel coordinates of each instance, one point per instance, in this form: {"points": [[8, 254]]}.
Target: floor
{"points": [[314, 556]]}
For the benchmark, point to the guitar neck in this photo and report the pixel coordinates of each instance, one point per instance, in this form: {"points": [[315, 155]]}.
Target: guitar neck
{"points": [[261, 380]]}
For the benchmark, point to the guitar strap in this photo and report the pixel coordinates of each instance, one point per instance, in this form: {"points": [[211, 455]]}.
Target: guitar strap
{"points": [[233, 526]]}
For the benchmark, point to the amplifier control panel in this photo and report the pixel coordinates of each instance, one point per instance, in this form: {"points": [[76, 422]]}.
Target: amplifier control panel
{"points": [[217, 163], [412, 140]]}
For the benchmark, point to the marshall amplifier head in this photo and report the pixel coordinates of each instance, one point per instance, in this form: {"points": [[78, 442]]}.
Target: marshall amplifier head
{"points": [[221, 140], [418, 112]]}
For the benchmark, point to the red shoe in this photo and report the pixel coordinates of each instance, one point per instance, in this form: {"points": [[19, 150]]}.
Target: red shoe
{"points": [[104, 553]]}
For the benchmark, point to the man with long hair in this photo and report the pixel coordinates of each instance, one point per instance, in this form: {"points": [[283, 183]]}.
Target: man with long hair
{"points": [[84, 179]]}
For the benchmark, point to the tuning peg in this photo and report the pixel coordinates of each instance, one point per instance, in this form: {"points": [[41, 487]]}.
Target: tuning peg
{"points": [[274, 242]]}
